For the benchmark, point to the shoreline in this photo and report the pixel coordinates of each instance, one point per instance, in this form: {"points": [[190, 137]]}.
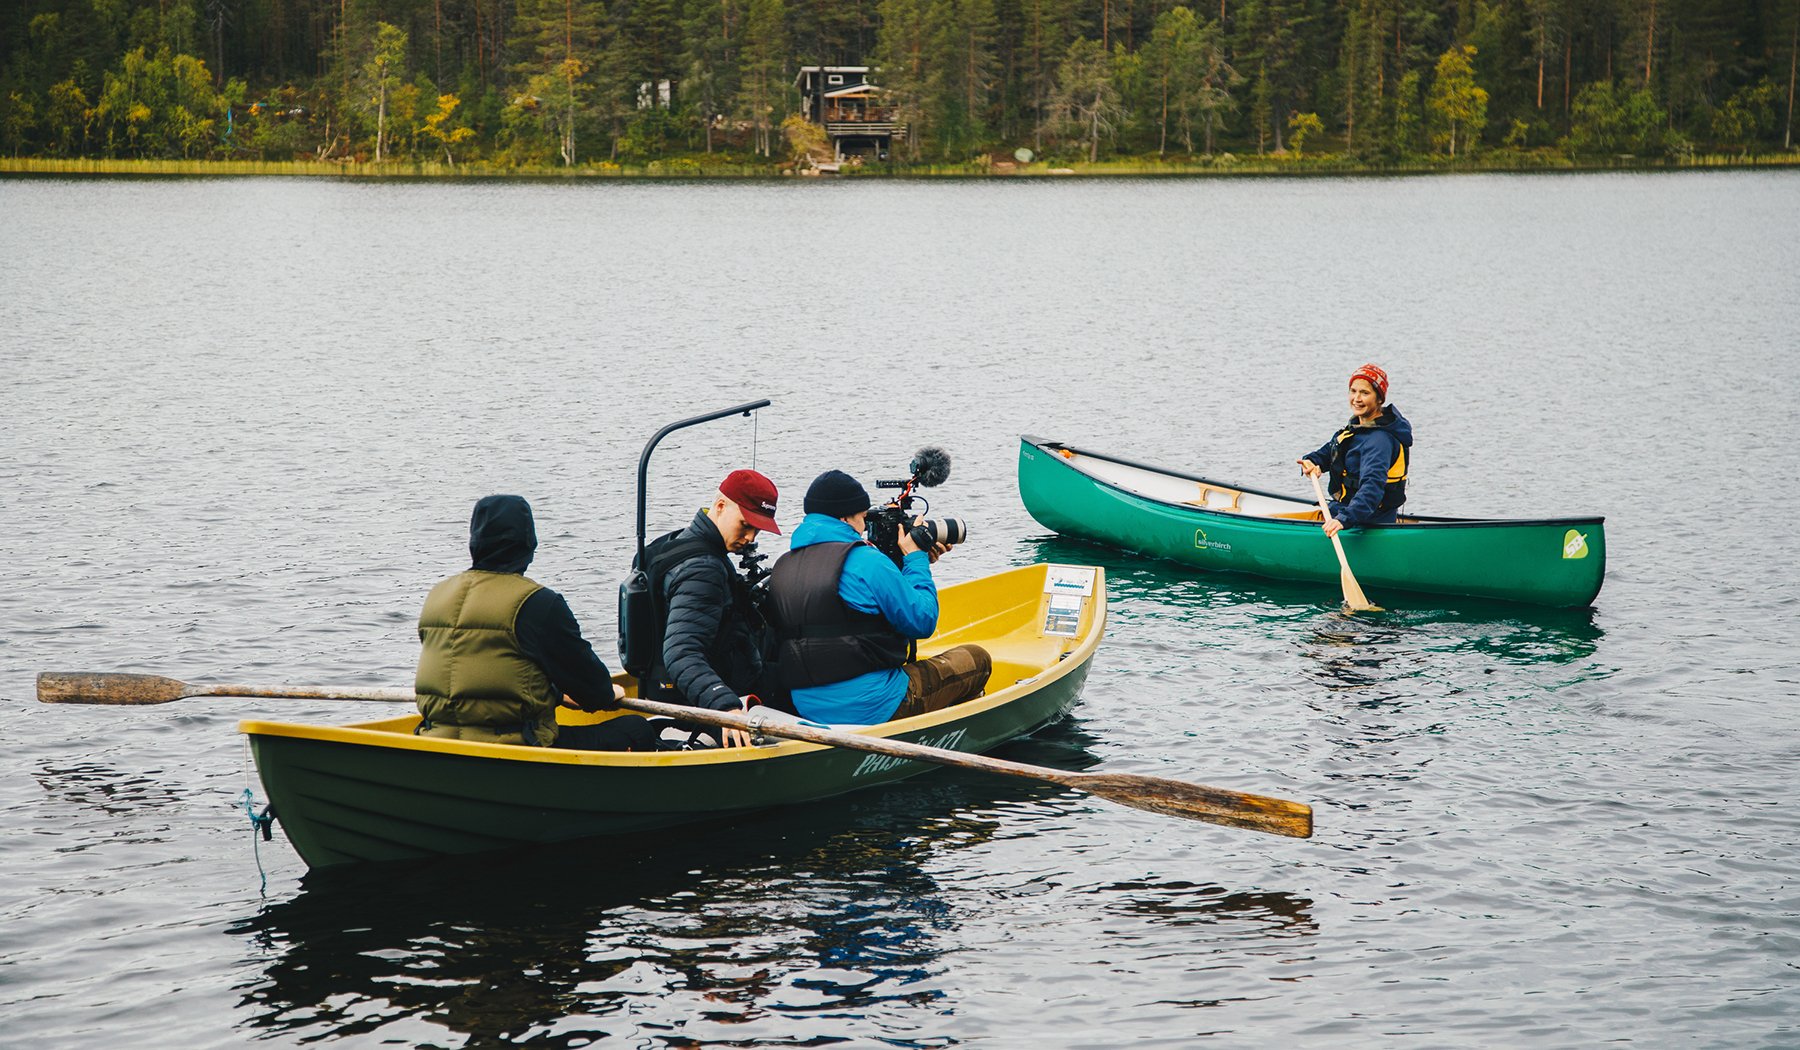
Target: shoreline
{"points": [[690, 169]]}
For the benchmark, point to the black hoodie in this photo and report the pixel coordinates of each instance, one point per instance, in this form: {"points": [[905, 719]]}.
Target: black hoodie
{"points": [[503, 538]]}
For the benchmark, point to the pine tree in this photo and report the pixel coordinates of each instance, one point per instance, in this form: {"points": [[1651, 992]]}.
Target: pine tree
{"points": [[765, 71]]}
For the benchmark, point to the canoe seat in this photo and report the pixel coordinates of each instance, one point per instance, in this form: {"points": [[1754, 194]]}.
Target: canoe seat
{"points": [[1300, 515]]}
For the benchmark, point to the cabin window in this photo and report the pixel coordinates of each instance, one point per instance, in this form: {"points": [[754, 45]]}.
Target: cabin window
{"points": [[835, 78]]}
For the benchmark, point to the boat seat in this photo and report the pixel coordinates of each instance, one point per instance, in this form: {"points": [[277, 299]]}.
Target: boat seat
{"points": [[1299, 515]]}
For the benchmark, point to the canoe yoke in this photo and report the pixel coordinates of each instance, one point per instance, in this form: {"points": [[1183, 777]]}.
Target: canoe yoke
{"points": [[1206, 491]]}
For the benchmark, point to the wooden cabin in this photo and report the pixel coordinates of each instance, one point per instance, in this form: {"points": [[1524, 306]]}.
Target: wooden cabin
{"points": [[844, 101]]}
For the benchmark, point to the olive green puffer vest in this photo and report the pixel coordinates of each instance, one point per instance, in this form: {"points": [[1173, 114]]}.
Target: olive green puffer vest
{"points": [[474, 683]]}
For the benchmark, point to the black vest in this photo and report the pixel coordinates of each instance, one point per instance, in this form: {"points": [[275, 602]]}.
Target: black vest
{"points": [[822, 639]]}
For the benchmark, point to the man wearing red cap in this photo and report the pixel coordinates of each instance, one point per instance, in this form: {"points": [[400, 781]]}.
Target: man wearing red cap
{"points": [[1367, 459], [710, 657]]}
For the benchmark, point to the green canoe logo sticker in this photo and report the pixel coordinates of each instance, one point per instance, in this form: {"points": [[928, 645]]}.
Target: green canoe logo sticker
{"points": [[1201, 542], [1574, 544]]}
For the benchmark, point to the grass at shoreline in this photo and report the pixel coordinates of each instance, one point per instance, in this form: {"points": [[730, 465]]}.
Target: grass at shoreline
{"points": [[690, 168]]}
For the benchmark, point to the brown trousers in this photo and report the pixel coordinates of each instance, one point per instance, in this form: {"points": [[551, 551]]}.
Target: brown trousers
{"points": [[950, 677]]}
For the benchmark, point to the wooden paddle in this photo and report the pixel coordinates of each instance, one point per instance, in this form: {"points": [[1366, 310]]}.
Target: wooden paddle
{"points": [[1353, 592], [1174, 797]]}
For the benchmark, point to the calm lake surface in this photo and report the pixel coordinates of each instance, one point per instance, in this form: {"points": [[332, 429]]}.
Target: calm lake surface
{"points": [[242, 424]]}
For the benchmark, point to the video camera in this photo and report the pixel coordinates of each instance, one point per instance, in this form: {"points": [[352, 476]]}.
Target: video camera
{"points": [[930, 467]]}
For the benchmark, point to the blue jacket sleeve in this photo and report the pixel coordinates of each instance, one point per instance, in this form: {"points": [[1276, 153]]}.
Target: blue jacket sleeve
{"points": [[1376, 455], [1321, 456], [907, 597], [550, 638]]}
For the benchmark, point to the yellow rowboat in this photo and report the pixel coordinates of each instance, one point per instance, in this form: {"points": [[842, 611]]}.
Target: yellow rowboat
{"points": [[373, 791]]}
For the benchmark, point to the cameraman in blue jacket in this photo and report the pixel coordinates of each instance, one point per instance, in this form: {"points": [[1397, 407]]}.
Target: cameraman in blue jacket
{"points": [[849, 619]]}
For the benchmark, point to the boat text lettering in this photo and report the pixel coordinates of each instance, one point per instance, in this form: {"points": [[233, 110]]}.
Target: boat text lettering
{"points": [[1203, 543], [883, 763]]}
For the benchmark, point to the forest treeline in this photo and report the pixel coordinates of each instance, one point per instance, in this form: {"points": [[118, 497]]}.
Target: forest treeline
{"points": [[528, 83]]}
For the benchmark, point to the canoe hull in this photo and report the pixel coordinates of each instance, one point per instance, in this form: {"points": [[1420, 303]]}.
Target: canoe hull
{"points": [[1519, 561], [374, 792]]}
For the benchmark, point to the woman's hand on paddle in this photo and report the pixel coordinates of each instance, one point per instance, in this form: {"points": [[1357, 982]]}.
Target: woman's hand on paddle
{"points": [[1308, 467], [1332, 526]]}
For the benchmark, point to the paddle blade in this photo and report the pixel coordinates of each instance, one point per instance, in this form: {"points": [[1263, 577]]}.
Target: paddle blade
{"points": [[1276, 816], [86, 687], [1354, 598]]}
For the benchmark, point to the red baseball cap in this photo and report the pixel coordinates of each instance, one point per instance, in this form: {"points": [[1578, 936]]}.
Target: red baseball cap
{"points": [[755, 497]]}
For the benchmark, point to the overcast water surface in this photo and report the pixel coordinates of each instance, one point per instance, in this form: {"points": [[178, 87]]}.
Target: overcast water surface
{"points": [[242, 423]]}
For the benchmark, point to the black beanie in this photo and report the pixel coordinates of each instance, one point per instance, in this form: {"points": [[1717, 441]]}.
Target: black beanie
{"points": [[835, 493]]}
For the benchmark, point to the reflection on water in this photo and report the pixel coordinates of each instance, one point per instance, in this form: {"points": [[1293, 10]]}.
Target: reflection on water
{"points": [[1178, 903], [97, 786], [822, 908], [1348, 651]]}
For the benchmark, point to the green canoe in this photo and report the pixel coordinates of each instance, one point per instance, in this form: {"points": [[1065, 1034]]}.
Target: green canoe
{"points": [[374, 791], [1167, 514]]}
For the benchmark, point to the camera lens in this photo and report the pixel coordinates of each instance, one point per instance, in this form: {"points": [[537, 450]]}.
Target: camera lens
{"points": [[948, 531]]}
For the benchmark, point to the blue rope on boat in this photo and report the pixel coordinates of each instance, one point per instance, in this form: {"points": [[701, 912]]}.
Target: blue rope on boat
{"points": [[263, 822]]}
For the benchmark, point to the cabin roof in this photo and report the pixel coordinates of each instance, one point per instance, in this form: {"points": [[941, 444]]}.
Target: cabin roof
{"points": [[801, 74], [853, 90]]}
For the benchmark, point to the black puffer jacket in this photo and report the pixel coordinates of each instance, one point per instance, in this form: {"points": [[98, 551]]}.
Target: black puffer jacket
{"points": [[709, 651]]}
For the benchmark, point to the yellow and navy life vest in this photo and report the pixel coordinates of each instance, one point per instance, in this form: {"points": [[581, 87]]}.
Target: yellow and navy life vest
{"points": [[1344, 484], [474, 681]]}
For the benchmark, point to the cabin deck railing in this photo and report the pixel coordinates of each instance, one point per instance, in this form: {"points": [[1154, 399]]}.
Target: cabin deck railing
{"points": [[865, 127]]}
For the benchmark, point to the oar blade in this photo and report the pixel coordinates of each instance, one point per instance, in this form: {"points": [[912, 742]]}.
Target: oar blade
{"points": [[1276, 816], [89, 687]]}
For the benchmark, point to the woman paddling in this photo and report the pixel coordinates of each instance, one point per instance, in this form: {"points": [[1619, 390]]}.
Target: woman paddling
{"points": [[1367, 459]]}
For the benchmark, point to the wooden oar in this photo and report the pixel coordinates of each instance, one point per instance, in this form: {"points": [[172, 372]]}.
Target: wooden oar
{"points": [[1177, 798], [1353, 592], [84, 687]]}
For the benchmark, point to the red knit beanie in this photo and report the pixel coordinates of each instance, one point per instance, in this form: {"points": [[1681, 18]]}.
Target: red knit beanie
{"points": [[1376, 377]]}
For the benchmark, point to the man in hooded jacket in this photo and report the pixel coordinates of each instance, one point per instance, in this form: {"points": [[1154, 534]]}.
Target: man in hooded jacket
{"points": [[500, 651]]}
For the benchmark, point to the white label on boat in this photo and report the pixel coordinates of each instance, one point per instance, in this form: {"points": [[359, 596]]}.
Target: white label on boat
{"points": [[1574, 544], [1063, 615], [1069, 579], [883, 763]]}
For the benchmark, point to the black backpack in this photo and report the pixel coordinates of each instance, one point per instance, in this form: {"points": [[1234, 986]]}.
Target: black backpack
{"points": [[642, 619]]}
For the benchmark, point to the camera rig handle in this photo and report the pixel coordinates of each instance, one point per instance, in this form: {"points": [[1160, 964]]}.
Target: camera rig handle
{"points": [[644, 460]]}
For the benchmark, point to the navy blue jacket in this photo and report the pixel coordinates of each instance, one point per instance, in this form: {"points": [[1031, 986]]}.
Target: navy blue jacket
{"points": [[1364, 457]]}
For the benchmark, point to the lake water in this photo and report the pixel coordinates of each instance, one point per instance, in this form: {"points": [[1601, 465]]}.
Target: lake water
{"points": [[243, 422]]}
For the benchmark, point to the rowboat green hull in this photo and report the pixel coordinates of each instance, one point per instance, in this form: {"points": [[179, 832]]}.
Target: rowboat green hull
{"points": [[375, 792], [1559, 562]]}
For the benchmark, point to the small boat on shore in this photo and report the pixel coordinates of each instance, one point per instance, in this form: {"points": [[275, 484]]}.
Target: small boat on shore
{"points": [[373, 791], [1559, 562]]}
